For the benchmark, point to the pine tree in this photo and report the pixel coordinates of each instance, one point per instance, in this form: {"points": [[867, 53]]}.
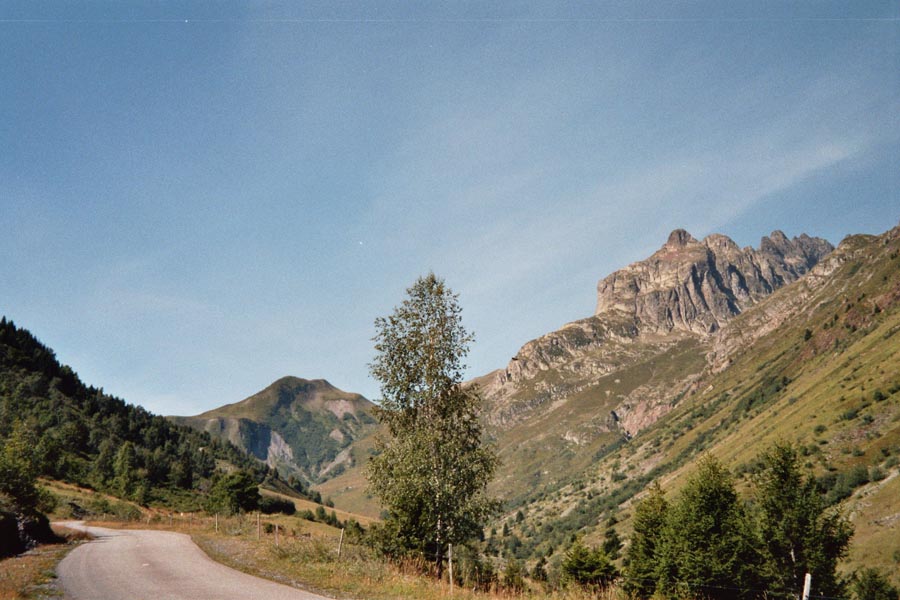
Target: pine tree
{"points": [[589, 567], [432, 468], [125, 468], [643, 556], [798, 534], [708, 540]]}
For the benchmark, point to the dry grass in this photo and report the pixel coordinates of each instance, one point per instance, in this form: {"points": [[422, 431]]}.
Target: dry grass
{"points": [[309, 560], [306, 557], [33, 574]]}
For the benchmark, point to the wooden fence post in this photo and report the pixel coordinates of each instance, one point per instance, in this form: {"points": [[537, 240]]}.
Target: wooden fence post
{"points": [[217, 522], [450, 560], [257, 525], [341, 544]]}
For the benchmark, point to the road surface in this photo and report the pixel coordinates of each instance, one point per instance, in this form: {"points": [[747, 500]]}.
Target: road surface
{"points": [[158, 565]]}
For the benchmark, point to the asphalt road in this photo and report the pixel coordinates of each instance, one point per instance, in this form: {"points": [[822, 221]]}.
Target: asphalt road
{"points": [[158, 565]]}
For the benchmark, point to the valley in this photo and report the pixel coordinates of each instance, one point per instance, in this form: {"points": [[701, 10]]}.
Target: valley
{"points": [[702, 349]]}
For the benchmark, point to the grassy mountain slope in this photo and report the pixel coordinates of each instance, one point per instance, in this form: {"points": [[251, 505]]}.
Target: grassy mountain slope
{"points": [[305, 428], [815, 364], [573, 395]]}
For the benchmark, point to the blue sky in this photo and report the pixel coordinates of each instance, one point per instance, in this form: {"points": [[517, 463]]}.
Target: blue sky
{"points": [[198, 198]]}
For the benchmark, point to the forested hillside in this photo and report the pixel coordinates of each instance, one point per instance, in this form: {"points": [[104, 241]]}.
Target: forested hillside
{"points": [[79, 434]]}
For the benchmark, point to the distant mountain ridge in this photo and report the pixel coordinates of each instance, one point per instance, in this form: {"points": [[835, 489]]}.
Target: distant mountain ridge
{"points": [[697, 286], [664, 308], [301, 427]]}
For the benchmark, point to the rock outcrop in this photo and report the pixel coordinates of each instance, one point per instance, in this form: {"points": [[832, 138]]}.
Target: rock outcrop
{"points": [[697, 286]]}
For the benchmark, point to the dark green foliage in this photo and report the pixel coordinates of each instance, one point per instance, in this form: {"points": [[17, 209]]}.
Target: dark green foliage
{"points": [[612, 543], [707, 543], [797, 533], [354, 531], [432, 469], [838, 486], [22, 523], [539, 572], [707, 538], [234, 493], [84, 436], [269, 505], [513, 577], [642, 559], [871, 584], [472, 571], [588, 567]]}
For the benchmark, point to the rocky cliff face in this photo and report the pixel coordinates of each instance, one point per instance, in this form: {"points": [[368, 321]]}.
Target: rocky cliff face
{"points": [[686, 286], [574, 392], [697, 286]]}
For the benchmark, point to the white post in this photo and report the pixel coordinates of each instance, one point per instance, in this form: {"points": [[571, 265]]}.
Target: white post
{"points": [[450, 560], [276, 534], [341, 544], [217, 522], [257, 525], [807, 585]]}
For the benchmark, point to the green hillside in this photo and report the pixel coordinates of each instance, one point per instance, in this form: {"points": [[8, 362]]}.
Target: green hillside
{"points": [[815, 364]]}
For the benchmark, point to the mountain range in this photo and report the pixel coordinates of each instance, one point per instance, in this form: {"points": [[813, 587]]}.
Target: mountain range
{"points": [[702, 347]]}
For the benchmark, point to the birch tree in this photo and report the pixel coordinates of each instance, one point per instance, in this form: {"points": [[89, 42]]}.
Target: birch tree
{"points": [[431, 468]]}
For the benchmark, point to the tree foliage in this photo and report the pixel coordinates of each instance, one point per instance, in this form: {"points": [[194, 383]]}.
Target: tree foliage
{"points": [[588, 567], [432, 468], [871, 584], [797, 533], [708, 543], [234, 493], [642, 560], [708, 540]]}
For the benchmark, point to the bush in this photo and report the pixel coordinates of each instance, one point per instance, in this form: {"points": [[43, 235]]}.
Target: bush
{"points": [[269, 505], [588, 567], [514, 577]]}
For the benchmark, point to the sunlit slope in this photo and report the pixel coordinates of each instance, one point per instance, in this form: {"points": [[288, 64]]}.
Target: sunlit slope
{"points": [[815, 364]]}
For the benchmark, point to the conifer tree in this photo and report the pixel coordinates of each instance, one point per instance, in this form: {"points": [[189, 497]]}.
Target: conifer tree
{"points": [[708, 547], [797, 533], [643, 556]]}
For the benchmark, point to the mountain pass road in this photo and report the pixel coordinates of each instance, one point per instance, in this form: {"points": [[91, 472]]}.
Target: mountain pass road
{"points": [[157, 565]]}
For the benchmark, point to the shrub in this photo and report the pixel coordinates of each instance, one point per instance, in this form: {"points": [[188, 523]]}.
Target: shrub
{"points": [[270, 505], [585, 566]]}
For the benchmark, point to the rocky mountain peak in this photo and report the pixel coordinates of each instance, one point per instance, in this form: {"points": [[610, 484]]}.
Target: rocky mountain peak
{"points": [[697, 286], [679, 239]]}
